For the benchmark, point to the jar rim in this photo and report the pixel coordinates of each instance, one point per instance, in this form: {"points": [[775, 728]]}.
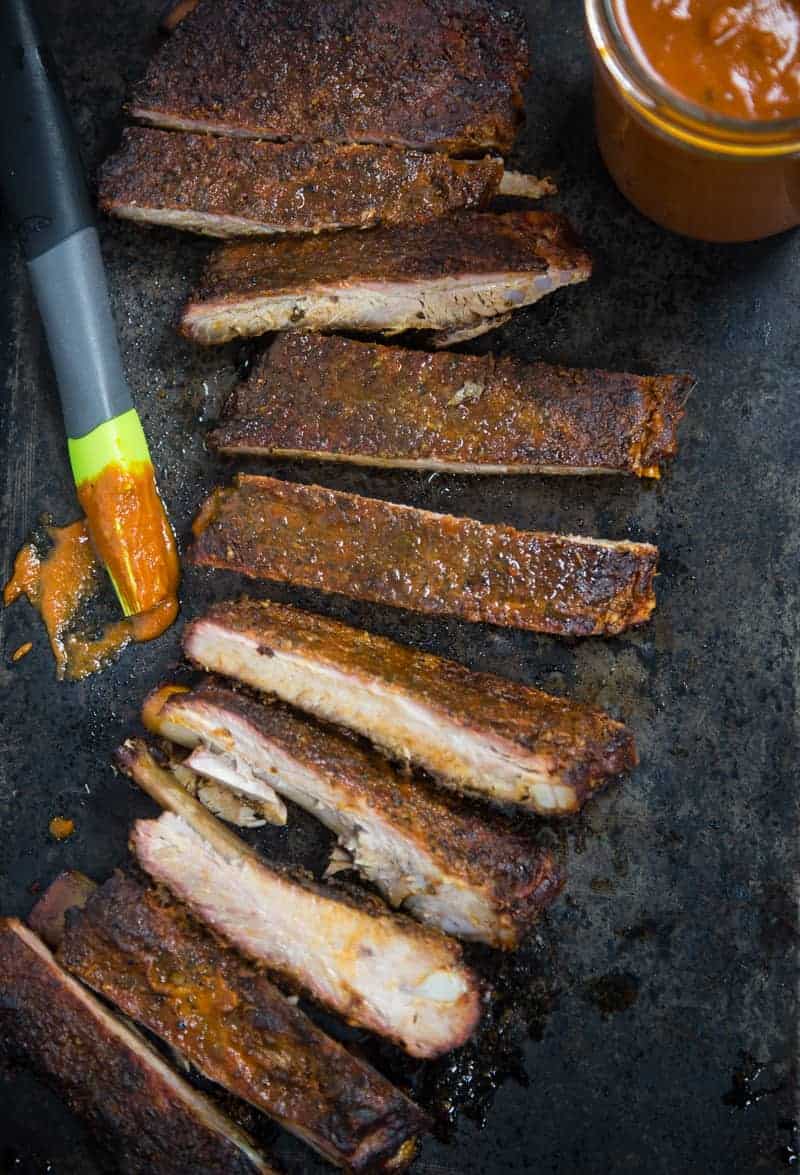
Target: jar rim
{"points": [[661, 104]]}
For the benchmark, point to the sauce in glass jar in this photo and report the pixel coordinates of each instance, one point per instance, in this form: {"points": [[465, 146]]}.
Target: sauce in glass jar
{"points": [[698, 111]]}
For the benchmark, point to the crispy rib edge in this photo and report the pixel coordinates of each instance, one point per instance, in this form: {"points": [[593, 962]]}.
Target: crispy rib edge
{"points": [[135, 1043]]}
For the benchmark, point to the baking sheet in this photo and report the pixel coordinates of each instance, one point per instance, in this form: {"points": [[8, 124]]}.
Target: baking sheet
{"points": [[653, 1023]]}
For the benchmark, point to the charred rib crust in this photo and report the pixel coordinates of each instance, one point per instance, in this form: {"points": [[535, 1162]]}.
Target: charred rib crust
{"points": [[134, 946], [480, 849], [327, 396], [437, 74], [234, 187], [454, 272], [582, 746], [110, 1078], [430, 563], [466, 242]]}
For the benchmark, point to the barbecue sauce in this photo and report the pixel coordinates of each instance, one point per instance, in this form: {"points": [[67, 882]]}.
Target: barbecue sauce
{"points": [[61, 828], [56, 584], [740, 60], [127, 527], [698, 112]]}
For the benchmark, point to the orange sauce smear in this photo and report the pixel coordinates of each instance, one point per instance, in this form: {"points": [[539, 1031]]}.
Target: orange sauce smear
{"points": [[127, 527], [61, 828], [740, 60]]}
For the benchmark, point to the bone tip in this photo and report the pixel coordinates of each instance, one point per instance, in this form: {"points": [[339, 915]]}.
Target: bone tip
{"points": [[126, 755]]}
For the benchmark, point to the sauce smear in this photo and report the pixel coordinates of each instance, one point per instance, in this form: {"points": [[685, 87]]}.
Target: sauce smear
{"points": [[59, 583], [740, 60], [126, 530], [61, 828]]}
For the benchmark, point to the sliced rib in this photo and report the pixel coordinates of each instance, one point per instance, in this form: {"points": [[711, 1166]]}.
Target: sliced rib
{"points": [[451, 273], [224, 187], [145, 954], [433, 563], [376, 968], [332, 398], [108, 1074], [436, 74], [475, 732], [464, 871]]}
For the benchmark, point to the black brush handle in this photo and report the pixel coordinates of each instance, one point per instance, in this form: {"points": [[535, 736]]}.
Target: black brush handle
{"points": [[43, 184]]}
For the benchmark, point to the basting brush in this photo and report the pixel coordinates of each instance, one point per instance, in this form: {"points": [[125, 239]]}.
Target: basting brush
{"points": [[48, 204]]}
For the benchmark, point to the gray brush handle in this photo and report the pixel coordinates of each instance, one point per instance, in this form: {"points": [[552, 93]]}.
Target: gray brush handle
{"points": [[69, 281]]}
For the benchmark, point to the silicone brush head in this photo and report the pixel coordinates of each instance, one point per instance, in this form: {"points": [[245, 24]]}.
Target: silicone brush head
{"points": [[127, 521]]}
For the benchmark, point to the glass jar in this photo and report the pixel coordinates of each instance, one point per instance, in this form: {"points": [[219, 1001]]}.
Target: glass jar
{"points": [[688, 169]]}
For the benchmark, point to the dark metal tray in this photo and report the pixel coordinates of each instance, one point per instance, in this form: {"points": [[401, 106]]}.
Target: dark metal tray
{"points": [[638, 1020]]}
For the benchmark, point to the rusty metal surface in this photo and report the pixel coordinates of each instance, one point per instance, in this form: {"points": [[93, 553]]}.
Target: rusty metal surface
{"points": [[669, 969]]}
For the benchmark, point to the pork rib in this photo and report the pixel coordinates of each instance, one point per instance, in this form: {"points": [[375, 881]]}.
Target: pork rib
{"points": [[451, 273], [332, 398], [466, 872], [475, 732], [149, 957], [376, 968], [436, 74], [237, 187], [108, 1074], [432, 563]]}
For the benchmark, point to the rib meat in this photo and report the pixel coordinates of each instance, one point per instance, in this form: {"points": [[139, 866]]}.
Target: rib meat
{"points": [[211, 779], [475, 732], [334, 398], [376, 968], [464, 871], [237, 187], [147, 956], [434, 563], [436, 74], [451, 273], [107, 1073]]}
